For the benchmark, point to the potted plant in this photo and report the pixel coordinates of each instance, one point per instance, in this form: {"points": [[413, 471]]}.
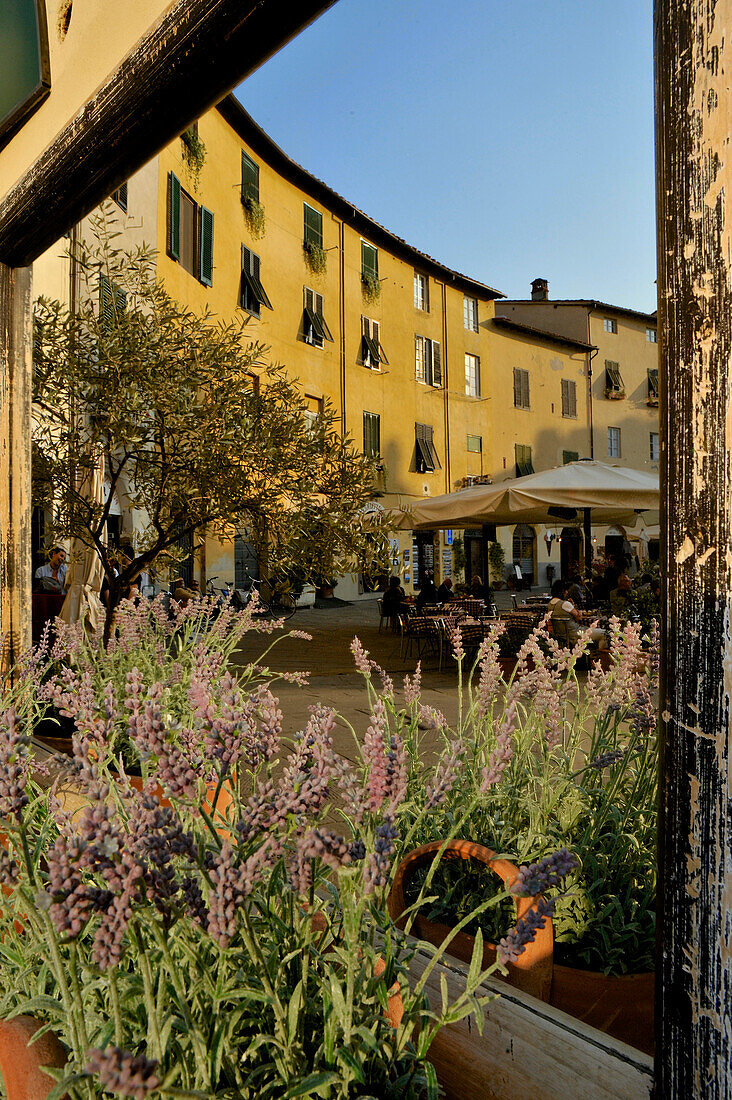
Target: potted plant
{"points": [[577, 769], [316, 256], [496, 558], [255, 216], [195, 950]]}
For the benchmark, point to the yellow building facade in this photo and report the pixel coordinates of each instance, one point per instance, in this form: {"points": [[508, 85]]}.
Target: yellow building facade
{"points": [[425, 367]]}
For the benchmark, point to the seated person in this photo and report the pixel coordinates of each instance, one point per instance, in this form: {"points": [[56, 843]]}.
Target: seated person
{"points": [[427, 593], [577, 591], [480, 591], [619, 596], [445, 592], [393, 599], [563, 610], [51, 577]]}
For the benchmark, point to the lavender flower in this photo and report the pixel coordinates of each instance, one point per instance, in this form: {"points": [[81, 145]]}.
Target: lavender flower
{"points": [[606, 759], [361, 657], [316, 844], [445, 777], [376, 871], [524, 932], [231, 882], [386, 758], [413, 686], [13, 767], [541, 876], [124, 1073], [502, 753]]}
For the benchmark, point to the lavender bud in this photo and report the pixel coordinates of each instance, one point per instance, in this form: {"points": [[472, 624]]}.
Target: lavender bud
{"points": [[543, 875], [124, 1073], [524, 932]]}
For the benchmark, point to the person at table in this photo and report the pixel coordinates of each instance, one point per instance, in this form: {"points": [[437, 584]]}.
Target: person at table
{"points": [[479, 591], [577, 592], [620, 596], [427, 593], [51, 577], [562, 610], [445, 592], [393, 600]]}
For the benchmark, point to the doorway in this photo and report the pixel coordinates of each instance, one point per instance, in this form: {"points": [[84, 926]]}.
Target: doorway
{"points": [[423, 551], [570, 552], [524, 552]]}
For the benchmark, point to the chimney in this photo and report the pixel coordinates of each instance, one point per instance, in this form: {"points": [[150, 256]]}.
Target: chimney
{"points": [[539, 290]]}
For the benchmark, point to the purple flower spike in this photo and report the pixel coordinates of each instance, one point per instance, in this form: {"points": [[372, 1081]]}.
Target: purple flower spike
{"points": [[606, 759], [124, 1073], [13, 767], [524, 932], [543, 875], [376, 871]]}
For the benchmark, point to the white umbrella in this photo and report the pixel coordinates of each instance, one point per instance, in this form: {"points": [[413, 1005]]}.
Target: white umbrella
{"points": [[85, 575], [614, 494]]}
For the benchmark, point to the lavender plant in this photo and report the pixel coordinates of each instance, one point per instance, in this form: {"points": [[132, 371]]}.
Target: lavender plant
{"points": [[220, 929], [555, 760]]}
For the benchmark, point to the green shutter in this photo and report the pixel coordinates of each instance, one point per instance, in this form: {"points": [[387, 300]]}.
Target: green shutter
{"points": [[249, 178], [436, 364], [173, 216], [369, 261], [207, 234], [313, 229]]}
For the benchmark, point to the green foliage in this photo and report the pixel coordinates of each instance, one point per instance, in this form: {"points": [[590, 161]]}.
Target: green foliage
{"points": [[496, 558], [458, 557], [237, 946], [194, 150], [371, 286], [255, 217], [315, 256], [164, 398]]}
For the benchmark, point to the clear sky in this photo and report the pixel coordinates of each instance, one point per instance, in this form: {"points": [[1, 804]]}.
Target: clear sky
{"points": [[509, 139]]}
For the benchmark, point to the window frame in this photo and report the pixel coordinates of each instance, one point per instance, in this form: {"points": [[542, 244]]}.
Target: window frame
{"points": [[613, 379], [421, 292], [120, 196], [610, 454], [655, 436], [249, 190], [427, 459], [371, 428], [652, 398], [314, 328], [430, 359], [312, 233], [569, 398], [202, 235], [524, 459], [521, 388], [470, 313], [366, 271], [610, 325], [251, 281], [474, 450], [652, 335], [372, 350], [472, 378]]}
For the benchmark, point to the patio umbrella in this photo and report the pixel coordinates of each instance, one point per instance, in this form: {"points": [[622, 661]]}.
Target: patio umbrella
{"points": [[85, 575], [602, 493]]}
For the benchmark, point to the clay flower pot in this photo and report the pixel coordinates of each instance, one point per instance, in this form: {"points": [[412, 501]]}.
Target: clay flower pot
{"points": [[619, 1004], [395, 1010], [532, 973], [20, 1064], [224, 799]]}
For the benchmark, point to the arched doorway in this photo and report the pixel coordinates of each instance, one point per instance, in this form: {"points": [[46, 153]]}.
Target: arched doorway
{"points": [[615, 539], [524, 551], [570, 551]]}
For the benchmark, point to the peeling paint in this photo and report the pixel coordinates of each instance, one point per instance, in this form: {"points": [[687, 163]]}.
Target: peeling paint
{"points": [[685, 551]]}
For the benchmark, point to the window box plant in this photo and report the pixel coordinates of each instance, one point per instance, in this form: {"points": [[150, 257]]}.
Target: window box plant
{"points": [[315, 256]]}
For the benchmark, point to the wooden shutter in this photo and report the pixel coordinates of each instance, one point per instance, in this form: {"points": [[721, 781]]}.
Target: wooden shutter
{"points": [[309, 297], [120, 196], [436, 364], [313, 230], [206, 257], [249, 178], [173, 216], [419, 374], [369, 261]]}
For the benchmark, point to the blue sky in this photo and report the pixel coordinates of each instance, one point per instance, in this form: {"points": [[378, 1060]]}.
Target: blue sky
{"points": [[508, 140]]}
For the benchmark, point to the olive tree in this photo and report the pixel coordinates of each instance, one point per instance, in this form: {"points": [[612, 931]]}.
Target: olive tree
{"points": [[190, 418]]}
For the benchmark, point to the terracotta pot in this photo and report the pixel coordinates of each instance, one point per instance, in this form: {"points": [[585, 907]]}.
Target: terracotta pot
{"points": [[532, 973], [20, 1064], [620, 1005]]}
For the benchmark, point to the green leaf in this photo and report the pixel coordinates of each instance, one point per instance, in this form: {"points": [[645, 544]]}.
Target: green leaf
{"points": [[311, 1083]]}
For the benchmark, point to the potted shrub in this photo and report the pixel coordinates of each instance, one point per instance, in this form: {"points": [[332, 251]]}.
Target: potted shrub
{"points": [[577, 769], [192, 949]]}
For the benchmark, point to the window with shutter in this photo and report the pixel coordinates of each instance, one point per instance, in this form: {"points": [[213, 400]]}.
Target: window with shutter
{"points": [[569, 398], [173, 216], [436, 364], [613, 442], [655, 447], [372, 434], [249, 179], [207, 237], [610, 325], [252, 294], [369, 261], [470, 314], [426, 454], [120, 197], [427, 361], [524, 463], [421, 292], [419, 359], [521, 388], [614, 385], [475, 443], [372, 350], [112, 301], [653, 386], [313, 226], [314, 328]]}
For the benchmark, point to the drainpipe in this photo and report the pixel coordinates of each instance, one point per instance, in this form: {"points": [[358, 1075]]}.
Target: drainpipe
{"points": [[342, 319], [446, 388]]}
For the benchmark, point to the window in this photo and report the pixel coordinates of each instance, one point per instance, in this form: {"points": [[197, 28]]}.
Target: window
{"points": [[524, 465], [372, 352], [112, 301], [427, 460], [655, 447], [614, 385], [521, 388], [569, 398], [570, 456], [475, 443], [472, 375], [120, 197], [313, 409], [369, 261], [421, 292], [613, 442], [249, 179], [313, 226], [314, 328], [653, 386], [252, 294], [610, 325], [651, 335], [427, 361], [470, 314], [190, 232], [372, 434]]}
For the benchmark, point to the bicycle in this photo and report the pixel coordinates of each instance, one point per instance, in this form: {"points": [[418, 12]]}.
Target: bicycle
{"points": [[279, 604]]}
